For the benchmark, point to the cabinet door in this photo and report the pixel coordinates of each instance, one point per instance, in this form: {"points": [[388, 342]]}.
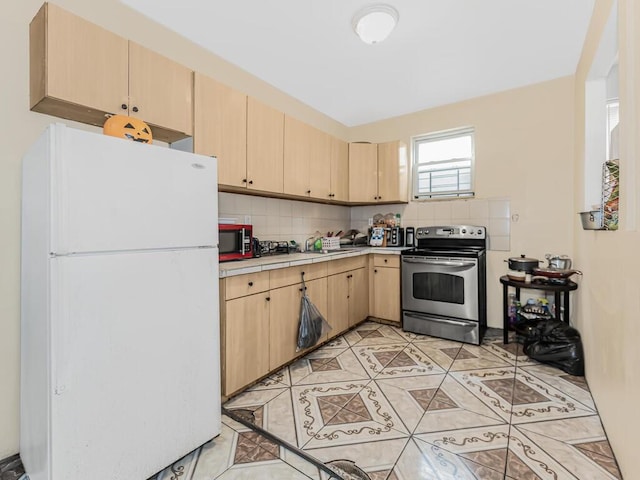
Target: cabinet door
{"points": [[320, 165], [220, 128], [363, 172], [284, 310], [160, 93], [392, 172], [339, 169], [298, 149], [358, 296], [265, 143], [386, 293], [246, 326], [77, 69], [338, 296], [284, 314], [317, 293]]}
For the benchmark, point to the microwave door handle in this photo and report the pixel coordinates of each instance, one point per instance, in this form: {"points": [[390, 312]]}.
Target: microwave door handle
{"points": [[459, 323], [242, 233], [443, 263]]}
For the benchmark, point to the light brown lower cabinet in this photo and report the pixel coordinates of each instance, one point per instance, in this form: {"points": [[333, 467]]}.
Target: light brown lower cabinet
{"points": [[246, 349], [260, 314], [284, 316], [385, 284], [348, 300], [358, 296]]}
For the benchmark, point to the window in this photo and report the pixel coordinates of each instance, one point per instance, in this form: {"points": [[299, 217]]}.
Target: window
{"points": [[443, 164]]}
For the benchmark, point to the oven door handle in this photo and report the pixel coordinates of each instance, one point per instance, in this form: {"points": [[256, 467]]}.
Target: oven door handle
{"points": [[459, 323], [443, 263]]}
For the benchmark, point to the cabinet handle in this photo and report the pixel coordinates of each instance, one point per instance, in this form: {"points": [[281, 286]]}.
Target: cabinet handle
{"points": [[385, 260], [379, 198], [375, 271], [251, 284], [135, 109], [123, 106], [250, 182], [244, 180], [268, 299], [308, 192]]}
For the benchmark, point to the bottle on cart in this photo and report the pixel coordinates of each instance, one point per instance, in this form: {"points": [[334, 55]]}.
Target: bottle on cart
{"points": [[513, 309]]}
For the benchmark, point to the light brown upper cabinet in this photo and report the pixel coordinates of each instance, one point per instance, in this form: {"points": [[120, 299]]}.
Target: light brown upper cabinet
{"points": [[363, 172], [82, 72], [265, 145], [392, 172], [307, 162], [378, 172], [220, 128], [339, 170]]}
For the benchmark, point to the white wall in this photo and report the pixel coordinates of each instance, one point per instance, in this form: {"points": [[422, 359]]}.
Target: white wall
{"points": [[608, 300], [523, 155]]}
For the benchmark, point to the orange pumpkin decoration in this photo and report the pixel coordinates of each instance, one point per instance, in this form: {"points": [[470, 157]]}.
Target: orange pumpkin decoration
{"points": [[128, 127]]}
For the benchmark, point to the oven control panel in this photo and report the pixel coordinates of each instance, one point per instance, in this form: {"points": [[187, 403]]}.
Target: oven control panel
{"points": [[451, 231]]}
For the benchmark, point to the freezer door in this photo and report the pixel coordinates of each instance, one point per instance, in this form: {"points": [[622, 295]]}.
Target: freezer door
{"points": [[111, 194], [135, 357]]}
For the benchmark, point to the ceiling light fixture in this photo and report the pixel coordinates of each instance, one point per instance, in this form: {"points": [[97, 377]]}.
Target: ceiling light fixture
{"points": [[374, 23]]}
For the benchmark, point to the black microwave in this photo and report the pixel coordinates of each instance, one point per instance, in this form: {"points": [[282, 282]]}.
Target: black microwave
{"points": [[235, 242]]}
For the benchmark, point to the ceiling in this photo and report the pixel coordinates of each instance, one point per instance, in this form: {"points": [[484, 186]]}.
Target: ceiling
{"points": [[442, 51]]}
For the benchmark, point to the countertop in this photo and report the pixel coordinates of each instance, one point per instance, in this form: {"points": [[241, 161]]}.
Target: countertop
{"points": [[253, 265]]}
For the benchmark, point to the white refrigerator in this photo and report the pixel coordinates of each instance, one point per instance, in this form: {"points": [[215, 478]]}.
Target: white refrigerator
{"points": [[120, 359]]}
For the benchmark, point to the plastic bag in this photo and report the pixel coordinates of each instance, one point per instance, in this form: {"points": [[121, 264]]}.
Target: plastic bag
{"points": [[557, 344], [312, 324]]}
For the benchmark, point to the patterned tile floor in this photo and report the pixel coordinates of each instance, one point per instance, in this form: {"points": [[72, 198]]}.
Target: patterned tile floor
{"points": [[405, 406], [383, 404]]}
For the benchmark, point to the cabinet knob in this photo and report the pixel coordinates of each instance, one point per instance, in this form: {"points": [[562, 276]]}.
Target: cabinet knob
{"points": [[251, 284], [123, 106], [375, 271], [385, 260], [250, 182], [135, 109], [244, 180], [379, 198], [268, 299], [308, 192]]}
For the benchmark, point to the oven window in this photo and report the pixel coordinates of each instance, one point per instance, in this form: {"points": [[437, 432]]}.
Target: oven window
{"points": [[228, 241], [438, 287]]}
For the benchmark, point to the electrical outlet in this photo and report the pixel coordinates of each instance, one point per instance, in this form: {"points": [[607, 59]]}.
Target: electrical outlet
{"points": [[247, 219]]}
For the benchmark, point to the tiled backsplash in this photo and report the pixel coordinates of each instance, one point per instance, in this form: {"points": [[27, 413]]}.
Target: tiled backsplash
{"points": [[275, 219], [493, 213]]}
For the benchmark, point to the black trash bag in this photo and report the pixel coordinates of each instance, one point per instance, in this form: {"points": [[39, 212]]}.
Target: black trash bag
{"points": [[527, 328], [312, 324], [555, 343]]}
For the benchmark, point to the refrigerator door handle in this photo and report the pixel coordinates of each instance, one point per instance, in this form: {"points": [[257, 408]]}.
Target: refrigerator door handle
{"points": [[59, 321]]}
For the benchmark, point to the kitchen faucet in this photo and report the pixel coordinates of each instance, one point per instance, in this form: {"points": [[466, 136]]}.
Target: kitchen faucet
{"points": [[307, 247]]}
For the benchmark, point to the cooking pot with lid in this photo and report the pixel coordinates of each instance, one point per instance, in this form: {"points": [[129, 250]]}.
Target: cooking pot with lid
{"points": [[562, 262], [523, 264]]}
